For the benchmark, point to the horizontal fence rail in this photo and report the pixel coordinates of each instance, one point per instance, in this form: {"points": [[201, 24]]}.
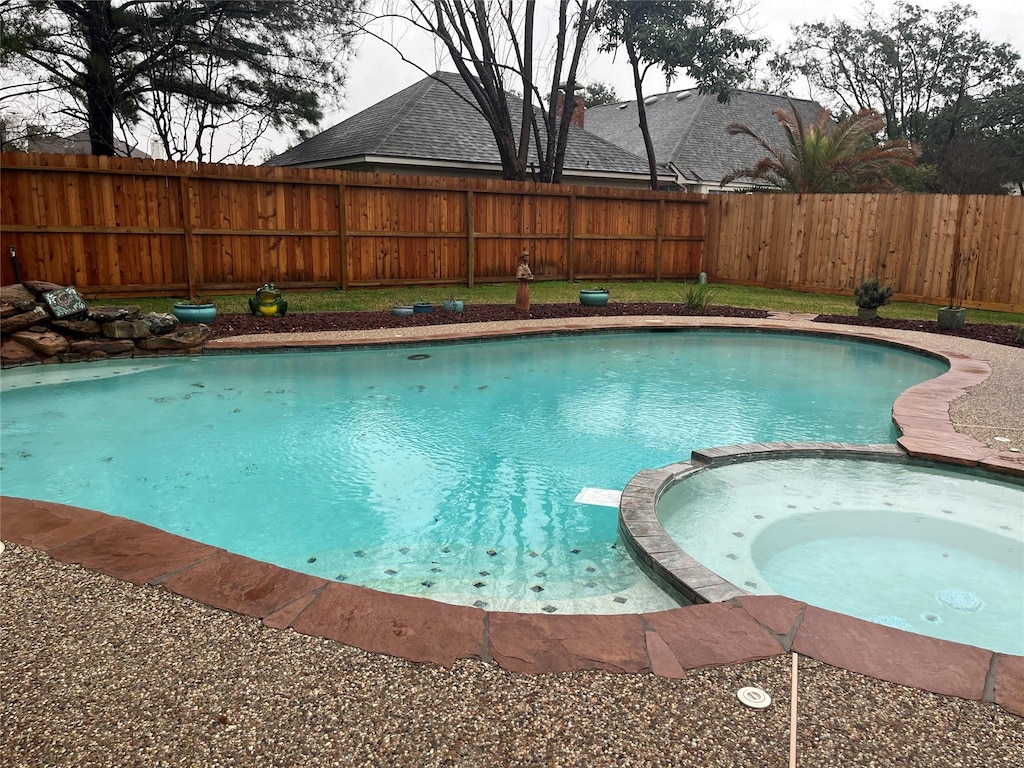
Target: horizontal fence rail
{"points": [[125, 226]]}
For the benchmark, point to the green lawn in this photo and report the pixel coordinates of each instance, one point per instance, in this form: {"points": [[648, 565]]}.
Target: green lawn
{"points": [[563, 292]]}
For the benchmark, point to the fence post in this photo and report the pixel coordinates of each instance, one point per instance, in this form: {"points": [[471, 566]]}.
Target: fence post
{"points": [[470, 239], [570, 256], [342, 235], [659, 230]]}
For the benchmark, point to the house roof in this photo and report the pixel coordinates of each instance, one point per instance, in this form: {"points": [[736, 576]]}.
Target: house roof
{"points": [[436, 119], [689, 129], [77, 144]]}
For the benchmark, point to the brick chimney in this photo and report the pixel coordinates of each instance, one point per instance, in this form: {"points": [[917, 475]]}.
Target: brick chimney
{"points": [[579, 106]]}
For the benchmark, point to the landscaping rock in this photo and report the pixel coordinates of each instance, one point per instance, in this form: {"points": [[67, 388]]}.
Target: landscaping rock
{"points": [[24, 320], [31, 336], [183, 338], [80, 328], [160, 323], [16, 353], [107, 347], [47, 343], [39, 287], [127, 329], [109, 314], [19, 296]]}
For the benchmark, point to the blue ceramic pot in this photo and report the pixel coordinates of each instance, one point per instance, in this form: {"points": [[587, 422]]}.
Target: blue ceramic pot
{"points": [[597, 297], [420, 307], [401, 311], [453, 305], [195, 313]]}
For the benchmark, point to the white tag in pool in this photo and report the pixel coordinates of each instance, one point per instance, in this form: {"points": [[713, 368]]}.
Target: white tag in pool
{"points": [[601, 497]]}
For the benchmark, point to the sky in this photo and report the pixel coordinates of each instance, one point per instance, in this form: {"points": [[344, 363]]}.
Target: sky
{"points": [[378, 71]]}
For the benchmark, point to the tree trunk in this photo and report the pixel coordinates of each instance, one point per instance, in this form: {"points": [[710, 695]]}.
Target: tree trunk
{"points": [[98, 79], [634, 62]]}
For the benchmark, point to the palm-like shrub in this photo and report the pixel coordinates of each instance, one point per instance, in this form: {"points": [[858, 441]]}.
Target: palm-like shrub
{"points": [[825, 156]]}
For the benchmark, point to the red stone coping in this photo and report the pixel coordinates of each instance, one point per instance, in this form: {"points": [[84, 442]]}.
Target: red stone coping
{"points": [[667, 643]]}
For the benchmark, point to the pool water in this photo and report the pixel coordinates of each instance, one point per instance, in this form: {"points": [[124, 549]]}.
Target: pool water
{"points": [[447, 471], [925, 549]]}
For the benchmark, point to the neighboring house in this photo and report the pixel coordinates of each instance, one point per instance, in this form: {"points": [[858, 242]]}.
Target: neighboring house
{"points": [[434, 127], [690, 135], [76, 144]]}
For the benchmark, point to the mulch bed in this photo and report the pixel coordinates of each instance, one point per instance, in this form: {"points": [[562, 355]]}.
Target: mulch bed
{"points": [[239, 324]]}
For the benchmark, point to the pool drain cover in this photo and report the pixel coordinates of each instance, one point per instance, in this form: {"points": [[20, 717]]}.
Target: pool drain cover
{"points": [[754, 697], [417, 357]]}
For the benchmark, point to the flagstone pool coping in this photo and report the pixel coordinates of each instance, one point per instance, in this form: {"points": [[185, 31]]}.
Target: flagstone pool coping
{"points": [[731, 629]]}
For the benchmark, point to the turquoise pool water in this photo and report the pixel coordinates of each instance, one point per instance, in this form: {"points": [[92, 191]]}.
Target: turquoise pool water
{"points": [[447, 471], [926, 549]]}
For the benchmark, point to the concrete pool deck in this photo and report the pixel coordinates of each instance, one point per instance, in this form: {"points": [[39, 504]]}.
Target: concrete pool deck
{"points": [[968, 416]]}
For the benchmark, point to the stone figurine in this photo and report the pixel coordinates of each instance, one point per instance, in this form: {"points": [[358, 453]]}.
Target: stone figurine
{"points": [[524, 276]]}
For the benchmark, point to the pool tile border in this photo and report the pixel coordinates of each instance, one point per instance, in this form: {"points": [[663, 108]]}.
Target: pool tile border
{"points": [[733, 627]]}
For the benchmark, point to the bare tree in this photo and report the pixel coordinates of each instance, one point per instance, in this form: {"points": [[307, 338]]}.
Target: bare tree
{"points": [[493, 46]]}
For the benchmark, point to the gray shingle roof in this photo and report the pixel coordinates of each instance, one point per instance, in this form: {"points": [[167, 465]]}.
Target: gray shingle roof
{"points": [[430, 121], [689, 129]]}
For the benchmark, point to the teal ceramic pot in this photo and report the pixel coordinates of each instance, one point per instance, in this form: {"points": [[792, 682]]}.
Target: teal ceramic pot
{"points": [[421, 307], [195, 313], [401, 311], [453, 305], [594, 297]]}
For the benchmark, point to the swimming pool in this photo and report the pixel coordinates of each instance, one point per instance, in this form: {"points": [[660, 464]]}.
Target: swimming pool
{"points": [[449, 471], [929, 549]]}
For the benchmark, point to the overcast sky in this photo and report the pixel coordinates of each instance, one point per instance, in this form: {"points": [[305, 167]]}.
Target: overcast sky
{"points": [[378, 71]]}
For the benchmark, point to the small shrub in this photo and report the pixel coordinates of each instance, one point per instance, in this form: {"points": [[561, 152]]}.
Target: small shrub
{"points": [[1019, 336], [871, 294], [697, 297]]}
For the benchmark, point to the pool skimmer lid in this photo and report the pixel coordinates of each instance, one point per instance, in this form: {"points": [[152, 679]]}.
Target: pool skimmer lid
{"points": [[754, 697]]}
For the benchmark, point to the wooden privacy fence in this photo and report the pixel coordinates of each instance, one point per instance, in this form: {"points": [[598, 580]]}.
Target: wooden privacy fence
{"points": [[120, 226], [828, 243], [114, 226]]}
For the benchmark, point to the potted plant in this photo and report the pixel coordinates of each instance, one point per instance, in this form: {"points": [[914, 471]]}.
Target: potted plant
{"points": [[451, 304], [194, 310], [952, 316], [869, 296], [594, 297], [401, 308]]}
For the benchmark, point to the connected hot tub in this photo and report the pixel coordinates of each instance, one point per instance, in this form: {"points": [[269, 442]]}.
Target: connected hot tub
{"points": [[863, 531]]}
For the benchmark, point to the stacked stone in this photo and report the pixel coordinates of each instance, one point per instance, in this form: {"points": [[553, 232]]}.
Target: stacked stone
{"points": [[30, 334]]}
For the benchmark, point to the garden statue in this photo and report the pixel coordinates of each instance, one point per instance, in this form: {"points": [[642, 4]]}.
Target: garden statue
{"points": [[524, 276], [268, 302]]}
